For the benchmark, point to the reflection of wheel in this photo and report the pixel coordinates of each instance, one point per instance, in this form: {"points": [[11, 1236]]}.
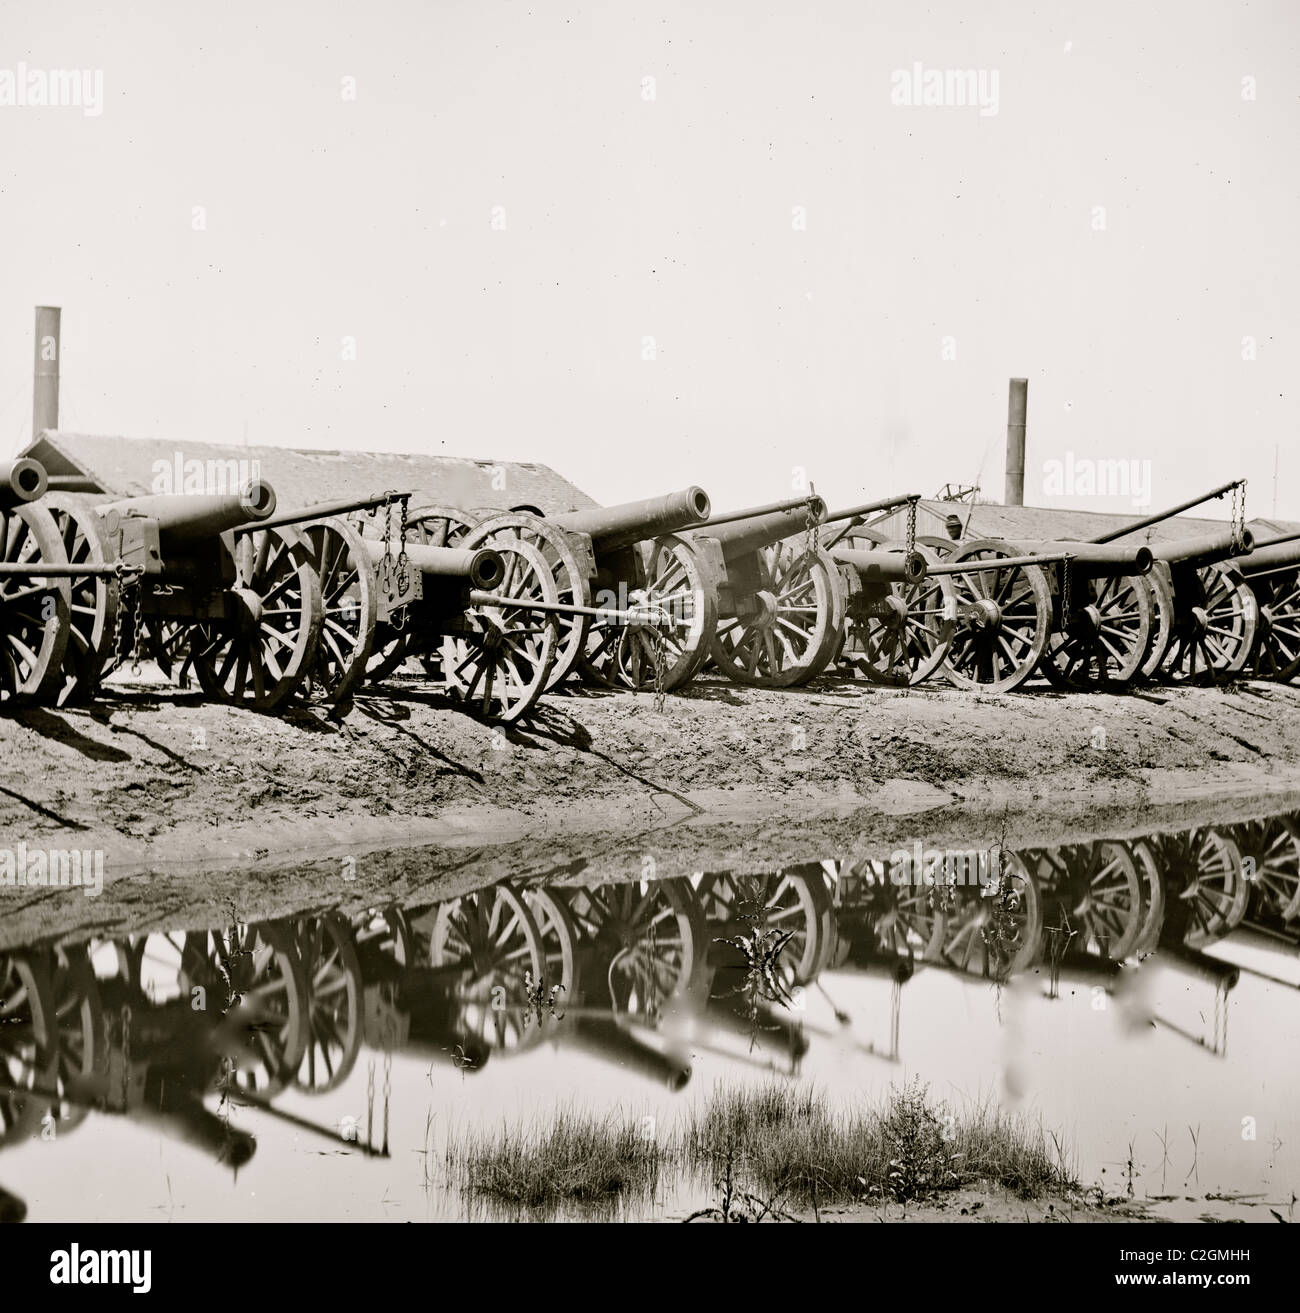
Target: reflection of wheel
{"points": [[488, 948], [82, 1041], [1273, 846], [28, 1051], [560, 945], [906, 919], [1151, 873], [333, 1017], [995, 935], [646, 938], [1098, 888], [793, 901], [1210, 884]]}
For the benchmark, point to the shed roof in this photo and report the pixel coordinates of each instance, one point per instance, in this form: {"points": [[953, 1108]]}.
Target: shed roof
{"points": [[127, 467]]}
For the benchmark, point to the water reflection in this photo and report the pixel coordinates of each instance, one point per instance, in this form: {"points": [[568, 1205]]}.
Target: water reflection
{"points": [[173, 1030]]}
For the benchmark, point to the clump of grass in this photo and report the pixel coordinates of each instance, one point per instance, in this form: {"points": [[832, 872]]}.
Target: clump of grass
{"points": [[792, 1139], [574, 1158], [769, 1142]]}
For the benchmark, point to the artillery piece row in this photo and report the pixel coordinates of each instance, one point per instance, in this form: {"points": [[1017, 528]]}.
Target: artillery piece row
{"points": [[498, 606]]}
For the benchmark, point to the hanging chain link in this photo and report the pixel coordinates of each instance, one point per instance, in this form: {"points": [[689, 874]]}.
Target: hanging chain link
{"points": [[388, 1081], [370, 1106], [911, 526], [660, 647], [402, 559], [1067, 575], [126, 1054], [1239, 515], [128, 609], [386, 564], [811, 542]]}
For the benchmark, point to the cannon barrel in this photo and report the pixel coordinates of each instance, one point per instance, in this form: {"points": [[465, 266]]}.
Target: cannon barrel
{"points": [[867, 508], [1095, 559], [1270, 554], [482, 567], [883, 567], [612, 527], [21, 480], [1149, 520], [184, 518], [607, 1039], [748, 535], [1204, 549]]}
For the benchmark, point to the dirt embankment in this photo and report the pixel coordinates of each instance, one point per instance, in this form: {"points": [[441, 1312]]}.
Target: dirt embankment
{"points": [[199, 807]]}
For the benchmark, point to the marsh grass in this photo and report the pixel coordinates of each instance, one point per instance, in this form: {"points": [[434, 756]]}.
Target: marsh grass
{"points": [[591, 1159]]}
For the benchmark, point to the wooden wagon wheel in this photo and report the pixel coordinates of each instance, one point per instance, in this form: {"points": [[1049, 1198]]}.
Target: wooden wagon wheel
{"points": [[572, 581], [35, 614], [790, 634], [906, 919], [643, 941], [441, 526], [82, 1038], [259, 655], [996, 935], [1277, 644], [680, 584], [496, 659], [28, 1044], [332, 1024], [943, 548], [93, 600], [1209, 884], [349, 601], [899, 633], [1160, 582], [1004, 618], [1103, 645], [1150, 869], [795, 901], [1273, 846], [1214, 627], [487, 945], [1098, 888]]}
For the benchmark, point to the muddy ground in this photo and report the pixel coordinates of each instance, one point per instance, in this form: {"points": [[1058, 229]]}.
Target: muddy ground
{"points": [[200, 808]]}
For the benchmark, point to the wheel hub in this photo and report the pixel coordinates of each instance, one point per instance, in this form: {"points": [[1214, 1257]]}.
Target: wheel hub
{"points": [[765, 616], [984, 613]]}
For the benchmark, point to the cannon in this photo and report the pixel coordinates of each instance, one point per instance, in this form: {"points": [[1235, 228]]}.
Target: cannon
{"points": [[1272, 572], [1078, 612], [1206, 615], [899, 620], [778, 593], [240, 609], [654, 608], [35, 607]]}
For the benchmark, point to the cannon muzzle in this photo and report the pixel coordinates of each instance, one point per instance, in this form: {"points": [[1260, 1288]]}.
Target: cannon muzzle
{"points": [[612, 527], [883, 567], [21, 480], [481, 567], [1206, 549], [1095, 559], [185, 518], [748, 535], [1271, 554]]}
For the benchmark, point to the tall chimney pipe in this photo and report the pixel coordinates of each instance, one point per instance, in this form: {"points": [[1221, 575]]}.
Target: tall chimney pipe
{"points": [[45, 391], [1017, 408]]}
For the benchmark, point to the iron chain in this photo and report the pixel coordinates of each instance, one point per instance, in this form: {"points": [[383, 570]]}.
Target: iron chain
{"points": [[911, 526], [811, 543], [1239, 514]]}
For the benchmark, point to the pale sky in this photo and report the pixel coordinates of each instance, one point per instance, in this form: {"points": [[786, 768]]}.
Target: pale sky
{"points": [[670, 218]]}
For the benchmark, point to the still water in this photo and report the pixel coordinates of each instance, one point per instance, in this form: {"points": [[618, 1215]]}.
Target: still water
{"points": [[1141, 997]]}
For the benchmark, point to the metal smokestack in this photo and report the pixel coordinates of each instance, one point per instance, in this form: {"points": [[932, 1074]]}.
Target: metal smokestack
{"points": [[45, 390], [1017, 407]]}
